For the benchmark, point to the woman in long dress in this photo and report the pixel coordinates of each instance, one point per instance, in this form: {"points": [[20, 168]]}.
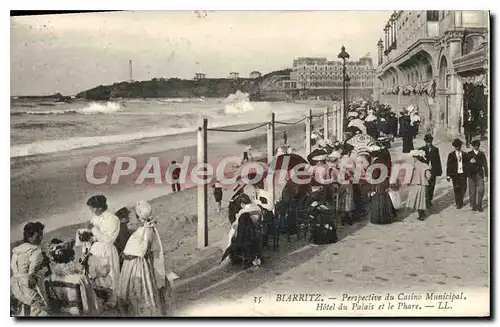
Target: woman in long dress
{"points": [[381, 209], [417, 195], [346, 192], [144, 289], [105, 264]]}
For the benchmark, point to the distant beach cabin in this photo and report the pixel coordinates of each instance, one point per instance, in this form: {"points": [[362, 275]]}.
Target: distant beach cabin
{"points": [[255, 74], [199, 76], [234, 75]]}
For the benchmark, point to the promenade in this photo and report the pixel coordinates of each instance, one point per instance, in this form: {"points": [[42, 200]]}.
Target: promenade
{"points": [[449, 251]]}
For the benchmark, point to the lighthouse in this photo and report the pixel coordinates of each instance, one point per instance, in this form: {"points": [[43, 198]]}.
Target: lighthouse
{"points": [[130, 71]]}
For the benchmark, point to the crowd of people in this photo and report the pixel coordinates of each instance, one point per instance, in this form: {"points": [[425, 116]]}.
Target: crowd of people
{"points": [[116, 271], [124, 272]]}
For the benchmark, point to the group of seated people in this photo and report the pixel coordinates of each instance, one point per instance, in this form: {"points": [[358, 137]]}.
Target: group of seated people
{"points": [[104, 270]]}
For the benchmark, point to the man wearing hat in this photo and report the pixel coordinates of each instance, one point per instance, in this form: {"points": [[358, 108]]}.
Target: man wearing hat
{"points": [[433, 159], [455, 171], [406, 132], [477, 174]]}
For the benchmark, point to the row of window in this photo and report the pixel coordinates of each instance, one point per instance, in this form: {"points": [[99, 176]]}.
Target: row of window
{"points": [[334, 85]]}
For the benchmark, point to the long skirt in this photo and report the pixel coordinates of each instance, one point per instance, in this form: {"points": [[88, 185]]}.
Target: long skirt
{"points": [[407, 143], [417, 197], [32, 299], [139, 295], [346, 198], [104, 267], [382, 211]]}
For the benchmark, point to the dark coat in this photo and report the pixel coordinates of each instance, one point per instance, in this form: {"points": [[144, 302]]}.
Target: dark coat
{"points": [[480, 166], [393, 123], [452, 164], [433, 158]]}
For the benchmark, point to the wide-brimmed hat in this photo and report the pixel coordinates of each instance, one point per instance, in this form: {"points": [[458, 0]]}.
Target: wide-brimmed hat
{"points": [[410, 108], [417, 153], [457, 142], [334, 156], [428, 137], [475, 142]]}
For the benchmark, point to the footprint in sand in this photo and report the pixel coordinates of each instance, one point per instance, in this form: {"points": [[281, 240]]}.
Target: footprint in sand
{"points": [[420, 257], [465, 256], [335, 253], [348, 275], [457, 277], [367, 268], [329, 280], [399, 248], [412, 275], [450, 242], [381, 278], [439, 237], [422, 281], [441, 283]]}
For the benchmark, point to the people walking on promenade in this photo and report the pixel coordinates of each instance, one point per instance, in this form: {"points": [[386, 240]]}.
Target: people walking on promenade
{"points": [[406, 132], [417, 196], [285, 137], [477, 174], [433, 159], [455, 172]]}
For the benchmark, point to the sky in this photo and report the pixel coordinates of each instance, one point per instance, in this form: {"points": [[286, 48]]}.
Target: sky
{"points": [[71, 53]]}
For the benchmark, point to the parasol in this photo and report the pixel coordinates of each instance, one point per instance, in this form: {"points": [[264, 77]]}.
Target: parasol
{"points": [[361, 143]]}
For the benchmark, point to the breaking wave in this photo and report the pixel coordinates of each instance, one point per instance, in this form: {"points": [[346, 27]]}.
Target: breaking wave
{"points": [[92, 109]]}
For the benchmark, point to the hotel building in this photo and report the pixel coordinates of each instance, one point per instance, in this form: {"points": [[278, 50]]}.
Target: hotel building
{"points": [[438, 61], [319, 73]]}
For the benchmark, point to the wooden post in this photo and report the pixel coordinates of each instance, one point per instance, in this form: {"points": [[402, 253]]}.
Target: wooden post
{"points": [[325, 124], [202, 189], [335, 122], [308, 132], [270, 156]]}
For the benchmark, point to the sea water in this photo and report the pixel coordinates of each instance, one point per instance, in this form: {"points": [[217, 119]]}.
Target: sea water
{"points": [[39, 127]]}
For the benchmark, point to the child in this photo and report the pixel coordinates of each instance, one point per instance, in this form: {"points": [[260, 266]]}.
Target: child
{"points": [[27, 265], [176, 186], [123, 214], [218, 194]]}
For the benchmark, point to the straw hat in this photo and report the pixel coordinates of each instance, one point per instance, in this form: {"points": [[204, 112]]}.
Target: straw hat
{"points": [[334, 155], [410, 108], [321, 157]]}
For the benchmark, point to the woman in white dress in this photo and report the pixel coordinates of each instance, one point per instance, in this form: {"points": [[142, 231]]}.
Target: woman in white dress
{"points": [[105, 266], [144, 289]]}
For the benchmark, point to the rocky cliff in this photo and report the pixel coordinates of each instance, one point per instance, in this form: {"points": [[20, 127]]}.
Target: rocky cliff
{"points": [[268, 84]]}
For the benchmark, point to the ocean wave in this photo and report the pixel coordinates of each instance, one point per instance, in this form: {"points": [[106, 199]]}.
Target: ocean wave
{"points": [[52, 146], [92, 109]]}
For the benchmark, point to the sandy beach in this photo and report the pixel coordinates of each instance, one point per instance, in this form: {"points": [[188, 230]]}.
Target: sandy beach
{"points": [[53, 188]]}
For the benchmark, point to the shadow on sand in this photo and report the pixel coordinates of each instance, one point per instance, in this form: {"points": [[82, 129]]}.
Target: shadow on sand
{"points": [[205, 281]]}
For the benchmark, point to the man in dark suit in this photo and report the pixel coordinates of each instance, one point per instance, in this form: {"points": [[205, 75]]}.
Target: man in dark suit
{"points": [[477, 174], [434, 160], [455, 171]]}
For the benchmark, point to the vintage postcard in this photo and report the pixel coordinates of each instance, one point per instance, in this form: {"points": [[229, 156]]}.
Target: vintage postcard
{"points": [[250, 163]]}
